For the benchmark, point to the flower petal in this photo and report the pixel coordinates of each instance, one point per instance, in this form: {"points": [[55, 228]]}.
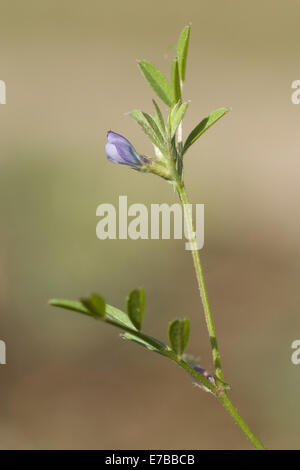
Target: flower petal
{"points": [[119, 150]]}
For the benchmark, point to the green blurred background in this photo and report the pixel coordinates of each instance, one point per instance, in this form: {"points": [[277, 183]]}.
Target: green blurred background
{"points": [[71, 75]]}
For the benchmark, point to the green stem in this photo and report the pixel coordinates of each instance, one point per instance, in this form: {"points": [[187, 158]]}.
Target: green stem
{"points": [[200, 280], [228, 405], [221, 395]]}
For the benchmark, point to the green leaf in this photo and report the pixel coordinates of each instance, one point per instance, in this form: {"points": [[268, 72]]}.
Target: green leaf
{"points": [[118, 317], [95, 304], [179, 331], [203, 126], [175, 80], [155, 345], [111, 313], [155, 128], [139, 341], [157, 81], [182, 50], [172, 112], [75, 305], [160, 119], [150, 343], [175, 117], [135, 303], [140, 118]]}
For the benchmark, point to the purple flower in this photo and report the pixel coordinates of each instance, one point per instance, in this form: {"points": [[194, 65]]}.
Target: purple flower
{"points": [[119, 150]]}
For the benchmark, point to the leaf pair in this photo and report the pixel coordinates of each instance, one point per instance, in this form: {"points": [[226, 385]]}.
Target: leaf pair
{"points": [[154, 127], [169, 93], [94, 306], [130, 323]]}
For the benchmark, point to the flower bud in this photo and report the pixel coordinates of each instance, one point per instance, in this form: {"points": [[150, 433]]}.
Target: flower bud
{"points": [[119, 150]]}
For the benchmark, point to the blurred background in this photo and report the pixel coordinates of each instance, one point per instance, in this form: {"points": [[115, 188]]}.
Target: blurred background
{"points": [[71, 75]]}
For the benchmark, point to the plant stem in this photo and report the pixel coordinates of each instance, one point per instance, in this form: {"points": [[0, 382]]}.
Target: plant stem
{"points": [[200, 280], [228, 405], [222, 395]]}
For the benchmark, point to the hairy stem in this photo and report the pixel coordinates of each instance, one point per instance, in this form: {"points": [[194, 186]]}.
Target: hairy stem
{"points": [[228, 405], [200, 280], [221, 395]]}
